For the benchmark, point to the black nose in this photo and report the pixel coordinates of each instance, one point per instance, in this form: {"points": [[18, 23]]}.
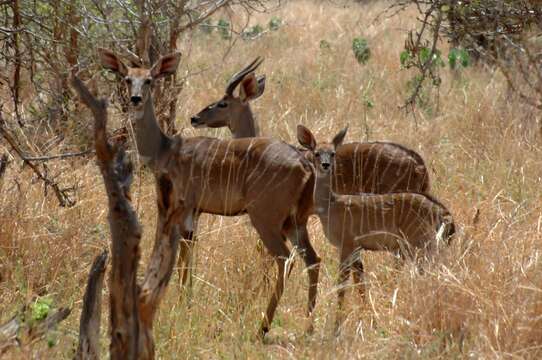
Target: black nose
{"points": [[135, 99], [326, 166], [194, 120]]}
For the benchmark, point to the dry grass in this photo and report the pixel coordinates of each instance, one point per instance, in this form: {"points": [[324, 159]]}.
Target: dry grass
{"points": [[483, 299]]}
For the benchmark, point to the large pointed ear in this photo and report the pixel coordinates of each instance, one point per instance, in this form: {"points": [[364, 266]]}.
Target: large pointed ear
{"points": [[167, 65], [250, 89], [339, 138], [112, 62], [305, 138], [261, 86]]}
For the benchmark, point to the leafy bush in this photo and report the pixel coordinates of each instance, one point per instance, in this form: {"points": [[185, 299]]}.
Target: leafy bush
{"points": [[361, 50], [325, 45], [275, 23], [252, 32], [41, 308], [460, 56], [206, 26], [224, 28]]}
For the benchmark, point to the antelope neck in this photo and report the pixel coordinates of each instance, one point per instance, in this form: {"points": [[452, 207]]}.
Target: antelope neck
{"points": [[150, 139], [245, 126], [322, 192]]}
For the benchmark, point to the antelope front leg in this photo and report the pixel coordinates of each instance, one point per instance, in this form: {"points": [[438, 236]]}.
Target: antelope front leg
{"points": [[298, 235], [187, 221], [358, 275], [344, 271]]}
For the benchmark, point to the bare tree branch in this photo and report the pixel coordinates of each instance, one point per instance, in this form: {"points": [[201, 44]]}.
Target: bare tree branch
{"points": [[61, 194], [89, 325]]}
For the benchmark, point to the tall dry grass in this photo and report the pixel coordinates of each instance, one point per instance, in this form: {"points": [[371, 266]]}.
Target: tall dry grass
{"points": [[482, 299]]}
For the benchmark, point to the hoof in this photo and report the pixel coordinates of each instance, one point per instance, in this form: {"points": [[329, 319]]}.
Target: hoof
{"points": [[263, 331]]}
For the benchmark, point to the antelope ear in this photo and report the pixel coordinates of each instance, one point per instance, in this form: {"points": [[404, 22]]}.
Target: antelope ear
{"points": [[251, 87], [261, 86], [339, 138], [306, 138], [112, 62], [167, 65]]}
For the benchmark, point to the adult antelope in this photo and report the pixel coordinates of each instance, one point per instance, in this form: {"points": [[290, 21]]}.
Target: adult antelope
{"points": [[404, 223], [370, 167], [267, 179]]}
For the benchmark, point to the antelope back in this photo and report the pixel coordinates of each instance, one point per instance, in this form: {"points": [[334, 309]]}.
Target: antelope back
{"points": [[231, 177], [395, 222], [379, 167]]}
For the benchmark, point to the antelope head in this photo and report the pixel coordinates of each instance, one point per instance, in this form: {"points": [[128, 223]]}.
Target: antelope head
{"points": [[232, 110], [323, 154], [139, 81]]}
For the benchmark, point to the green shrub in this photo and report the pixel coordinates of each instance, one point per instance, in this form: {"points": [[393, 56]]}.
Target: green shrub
{"points": [[206, 26], [224, 28], [275, 23], [41, 308], [325, 45], [361, 50], [252, 32], [460, 56]]}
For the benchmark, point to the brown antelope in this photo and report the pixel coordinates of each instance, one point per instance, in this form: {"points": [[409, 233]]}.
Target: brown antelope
{"points": [[404, 223], [267, 179], [370, 167]]}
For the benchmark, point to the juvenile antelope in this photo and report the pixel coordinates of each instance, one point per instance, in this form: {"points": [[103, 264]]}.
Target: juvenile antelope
{"points": [[370, 167], [267, 179], [404, 223]]}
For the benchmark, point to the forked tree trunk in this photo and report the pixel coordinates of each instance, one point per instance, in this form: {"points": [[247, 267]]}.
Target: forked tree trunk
{"points": [[130, 323]]}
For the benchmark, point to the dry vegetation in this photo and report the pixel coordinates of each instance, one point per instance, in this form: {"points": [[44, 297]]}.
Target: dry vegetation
{"points": [[483, 299]]}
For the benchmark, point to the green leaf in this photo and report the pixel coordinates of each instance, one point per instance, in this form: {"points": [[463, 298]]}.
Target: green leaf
{"points": [[275, 23], [425, 54], [224, 28], [41, 308], [464, 57], [361, 50], [252, 32], [452, 57], [404, 57], [460, 56]]}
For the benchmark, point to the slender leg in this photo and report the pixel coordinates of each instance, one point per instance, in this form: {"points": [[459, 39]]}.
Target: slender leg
{"points": [[184, 262], [275, 298], [344, 271], [358, 275], [188, 221], [298, 235], [275, 243]]}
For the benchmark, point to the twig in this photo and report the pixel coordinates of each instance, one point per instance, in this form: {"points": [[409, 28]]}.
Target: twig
{"points": [[15, 330], [61, 194], [3, 164], [58, 156]]}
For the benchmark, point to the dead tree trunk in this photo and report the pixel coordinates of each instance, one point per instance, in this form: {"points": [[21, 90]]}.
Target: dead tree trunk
{"points": [[89, 325], [132, 311]]}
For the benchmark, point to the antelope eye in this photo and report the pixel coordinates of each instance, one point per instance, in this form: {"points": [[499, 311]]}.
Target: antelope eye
{"points": [[147, 81], [128, 80], [222, 104], [332, 154], [317, 155]]}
